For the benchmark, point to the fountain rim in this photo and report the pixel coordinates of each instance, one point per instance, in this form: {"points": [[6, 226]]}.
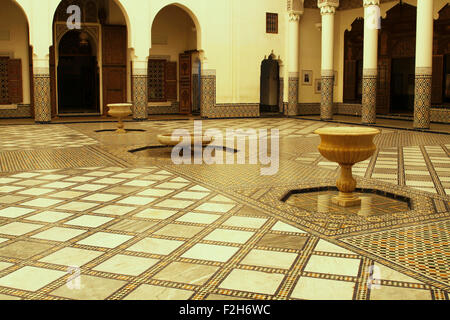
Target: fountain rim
{"points": [[347, 131]]}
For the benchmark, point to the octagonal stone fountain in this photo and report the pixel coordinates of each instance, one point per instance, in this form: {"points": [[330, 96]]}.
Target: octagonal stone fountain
{"points": [[120, 111], [347, 146]]}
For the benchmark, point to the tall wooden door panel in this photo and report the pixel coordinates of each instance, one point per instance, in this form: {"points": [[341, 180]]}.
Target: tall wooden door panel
{"points": [[114, 59], [114, 82], [384, 85], [185, 84], [350, 80], [437, 79]]}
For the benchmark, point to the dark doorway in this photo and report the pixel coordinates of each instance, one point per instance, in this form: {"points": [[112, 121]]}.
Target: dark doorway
{"points": [[269, 84], [447, 80], [78, 80], [402, 86]]}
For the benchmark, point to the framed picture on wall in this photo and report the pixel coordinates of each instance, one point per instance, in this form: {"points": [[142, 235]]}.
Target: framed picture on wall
{"points": [[307, 77], [318, 86]]}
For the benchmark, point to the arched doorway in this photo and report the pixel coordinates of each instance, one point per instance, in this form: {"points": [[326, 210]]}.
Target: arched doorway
{"points": [[78, 74], [174, 62], [16, 90], [97, 53], [269, 85]]}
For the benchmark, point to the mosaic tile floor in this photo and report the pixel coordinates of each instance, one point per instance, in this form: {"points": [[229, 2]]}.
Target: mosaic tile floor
{"points": [[136, 227]]}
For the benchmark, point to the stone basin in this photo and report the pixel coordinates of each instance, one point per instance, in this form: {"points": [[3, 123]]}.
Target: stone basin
{"points": [[167, 140], [119, 111], [347, 146]]}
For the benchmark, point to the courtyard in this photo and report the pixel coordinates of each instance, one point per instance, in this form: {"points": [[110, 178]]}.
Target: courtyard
{"points": [[89, 214]]}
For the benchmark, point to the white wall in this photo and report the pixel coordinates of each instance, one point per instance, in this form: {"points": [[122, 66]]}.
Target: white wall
{"points": [[14, 22]]}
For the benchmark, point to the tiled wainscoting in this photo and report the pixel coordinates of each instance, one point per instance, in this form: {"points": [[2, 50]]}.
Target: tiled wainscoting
{"points": [[22, 111], [174, 108]]}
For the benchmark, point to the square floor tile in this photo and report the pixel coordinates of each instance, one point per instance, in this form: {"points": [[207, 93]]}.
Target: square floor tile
{"points": [[14, 212], [172, 185], [199, 218], [71, 257], [115, 210], [9, 199], [91, 288], [393, 275], [25, 175], [210, 252], [323, 289], [77, 206], [156, 246], [150, 292], [58, 185], [245, 222], [41, 203], [80, 179], [140, 183], [232, 236], [23, 249], [89, 221], [97, 173], [198, 188], [109, 181], [155, 192], [252, 281], [186, 273], [89, 187], [270, 259], [8, 189], [179, 230], [124, 264], [67, 194], [126, 175], [326, 246], [221, 198], [53, 177], [104, 239], [176, 204], [36, 191], [137, 226], [158, 214], [138, 201], [58, 234], [18, 228], [191, 195], [29, 183], [215, 207], [284, 241], [30, 278], [333, 265], [396, 293], [101, 197]]}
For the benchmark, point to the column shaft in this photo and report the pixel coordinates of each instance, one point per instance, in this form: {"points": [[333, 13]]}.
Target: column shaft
{"points": [[370, 62], [293, 82], [140, 89], [326, 104], [424, 61]]}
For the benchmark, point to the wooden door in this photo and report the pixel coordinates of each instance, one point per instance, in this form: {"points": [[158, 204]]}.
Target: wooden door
{"points": [[350, 78], [171, 81], [437, 79], [384, 86], [114, 56], [185, 83], [15, 81]]}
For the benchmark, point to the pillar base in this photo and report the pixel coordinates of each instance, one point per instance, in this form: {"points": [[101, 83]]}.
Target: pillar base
{"points": [[292, 108], [326, 104], [369, 99], [422, 101]]}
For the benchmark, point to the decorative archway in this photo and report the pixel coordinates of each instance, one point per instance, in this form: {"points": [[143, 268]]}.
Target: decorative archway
{"points": [[271, 86], [173, 68], [106, 24]]}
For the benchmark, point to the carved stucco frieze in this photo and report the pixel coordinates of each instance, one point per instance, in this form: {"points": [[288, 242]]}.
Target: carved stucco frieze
{"points": [[327, 6]]}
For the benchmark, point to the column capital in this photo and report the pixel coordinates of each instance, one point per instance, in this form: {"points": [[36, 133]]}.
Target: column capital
{"points": [[294, 16], [327, 6], [367, 3]]}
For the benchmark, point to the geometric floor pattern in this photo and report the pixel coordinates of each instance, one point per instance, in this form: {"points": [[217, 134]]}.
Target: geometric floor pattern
{"points": [[132, 227]]}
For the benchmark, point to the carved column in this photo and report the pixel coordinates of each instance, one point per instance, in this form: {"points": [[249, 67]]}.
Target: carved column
{"points": [[140, 89], [294, 22], [41, 87], [327, 11], [424, 61], [370, 60]]}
